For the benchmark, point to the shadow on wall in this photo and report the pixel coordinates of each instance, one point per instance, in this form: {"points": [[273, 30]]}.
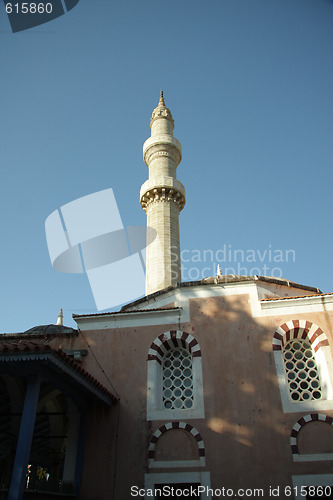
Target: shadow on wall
{"points": [[247, 430]]}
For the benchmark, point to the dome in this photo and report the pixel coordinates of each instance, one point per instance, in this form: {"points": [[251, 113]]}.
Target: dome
{"points": [[49, 330]]}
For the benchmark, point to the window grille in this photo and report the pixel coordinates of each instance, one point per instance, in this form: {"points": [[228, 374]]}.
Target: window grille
{"points": [[302, 371], [177, 380]]}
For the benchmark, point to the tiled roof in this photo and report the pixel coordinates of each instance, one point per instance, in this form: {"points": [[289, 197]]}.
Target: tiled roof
{"points": [[213, 280], [49, 331], [126, 312], [297, 297], [219, 280], [26, 347]]}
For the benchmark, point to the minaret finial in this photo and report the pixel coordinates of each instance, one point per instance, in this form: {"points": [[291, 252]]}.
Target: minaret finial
{"points": [[161, 103]]}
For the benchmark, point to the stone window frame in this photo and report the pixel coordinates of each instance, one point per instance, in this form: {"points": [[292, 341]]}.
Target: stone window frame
{"points": [[201, 462], [305, 330], [162, 344]]}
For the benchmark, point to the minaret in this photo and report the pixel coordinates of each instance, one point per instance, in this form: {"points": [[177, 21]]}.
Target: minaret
{"points": [[162, 197]]}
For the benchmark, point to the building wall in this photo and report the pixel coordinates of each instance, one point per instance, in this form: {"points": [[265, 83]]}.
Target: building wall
{"points": [[246, 433]]}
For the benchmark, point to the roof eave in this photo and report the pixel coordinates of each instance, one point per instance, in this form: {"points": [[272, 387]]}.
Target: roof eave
{"points": [[97, 391]]}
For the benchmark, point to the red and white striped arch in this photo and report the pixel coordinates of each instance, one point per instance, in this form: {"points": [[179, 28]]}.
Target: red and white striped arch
{"points": [[176, 425], [311, 417], [170, 340], [299, 329]]}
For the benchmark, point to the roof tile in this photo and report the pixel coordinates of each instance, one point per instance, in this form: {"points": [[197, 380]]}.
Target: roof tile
{"points": [[27, 346], [296, 297]]}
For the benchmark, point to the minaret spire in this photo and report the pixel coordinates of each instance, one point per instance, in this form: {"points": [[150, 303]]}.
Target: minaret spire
{"points": [[162, 197], [161, 103]]}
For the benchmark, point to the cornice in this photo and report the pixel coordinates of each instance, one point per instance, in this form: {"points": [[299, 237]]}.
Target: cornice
{"points": [[162, 194], [128, 319]]}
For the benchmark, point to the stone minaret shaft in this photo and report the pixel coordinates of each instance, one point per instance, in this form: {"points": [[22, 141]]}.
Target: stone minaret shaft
{"points": [[162, 197]]}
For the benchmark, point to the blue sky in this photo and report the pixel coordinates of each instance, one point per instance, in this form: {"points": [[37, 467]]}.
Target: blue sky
{"points": [[249, 83]]}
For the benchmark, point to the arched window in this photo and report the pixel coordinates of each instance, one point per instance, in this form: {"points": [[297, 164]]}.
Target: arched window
{"points": [[174, 387], [302, 371], [304, 366]]}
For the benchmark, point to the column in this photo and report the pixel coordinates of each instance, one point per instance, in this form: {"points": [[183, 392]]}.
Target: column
{"points": [[23, 448]]}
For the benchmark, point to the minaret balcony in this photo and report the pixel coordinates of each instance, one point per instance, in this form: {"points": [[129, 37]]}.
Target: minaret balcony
{"points": [[165, 189], [165, 145]]}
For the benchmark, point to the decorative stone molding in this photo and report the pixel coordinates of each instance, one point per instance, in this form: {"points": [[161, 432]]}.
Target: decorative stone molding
{"points": [[311, 417], [170, 340], [162, 194], [299, 329], [163, 181], [162, 143], [161, 113], [167, 154]]}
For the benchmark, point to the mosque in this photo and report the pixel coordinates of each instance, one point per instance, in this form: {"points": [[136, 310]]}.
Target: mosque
{"points": [[218, 388]]}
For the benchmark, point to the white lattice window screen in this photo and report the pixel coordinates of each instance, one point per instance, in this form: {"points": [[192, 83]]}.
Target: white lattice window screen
{"points": [[177, 380], [302, 371]]}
